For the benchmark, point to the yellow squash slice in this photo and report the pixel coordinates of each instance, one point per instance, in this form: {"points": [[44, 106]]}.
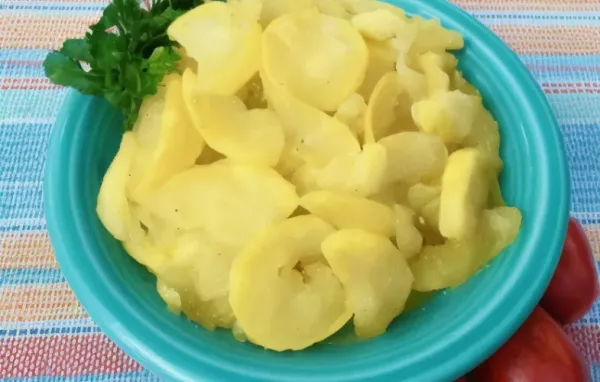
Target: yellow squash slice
{"points": [[348, 211], [377, 25], [311, 134], [424, 199], [408, 238], [273, 9], [485, 136], [464, 193], [207, 197], [305, 178], [321, 59], [449, 115], [382, 60], [375, 275], [205, 259], [333, 8], [247, 136], [198, 271], [437, 79], [170, 296], [352, 113], [450, 264], [381, 110], [431, 36], [391, 194], [113, 207], [167, 139], [413, 82], [229, 37], [283, 294], [359, 174], [414, 156], [356, 7]]}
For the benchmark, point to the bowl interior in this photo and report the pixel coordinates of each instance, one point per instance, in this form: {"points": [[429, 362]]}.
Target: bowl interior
{"points": [[439, 340]]}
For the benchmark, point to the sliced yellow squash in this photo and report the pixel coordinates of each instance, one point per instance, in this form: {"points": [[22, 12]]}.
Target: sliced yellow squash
{"points": [[208, 197], [464, 193], [247, 136], [168, 142], [311, 134], [283, 294], [359, 174], [375, 275], [348, 211], [230, 36], [414, 156], [112, 206], [320, 59], [381, 110], [408, 238], [449, 115]]}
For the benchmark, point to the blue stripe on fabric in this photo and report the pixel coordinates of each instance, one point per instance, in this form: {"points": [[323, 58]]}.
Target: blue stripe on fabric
{"points": [[538, 18], [22, 156], [142, 375], [18, 70], [19, 202], [595, 372], [568, 107], [575, 108], [593, 316], [49, 331], [587, 60], [540, 59], [19, 276], [47, 103], [71, 7], [565, 60], [21, 225], [22, 54], [555, 73], [566, 76], [586, 221], [582, 142]]}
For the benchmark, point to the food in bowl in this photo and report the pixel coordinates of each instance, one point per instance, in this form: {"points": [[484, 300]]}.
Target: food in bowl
{"points": [[308, 167]]}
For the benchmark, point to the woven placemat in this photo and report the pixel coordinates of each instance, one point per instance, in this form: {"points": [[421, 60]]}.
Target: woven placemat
{"points": [[44, 332]]}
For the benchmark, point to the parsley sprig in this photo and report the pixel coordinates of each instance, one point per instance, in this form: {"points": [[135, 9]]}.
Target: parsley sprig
{"points": [[123, 57]]}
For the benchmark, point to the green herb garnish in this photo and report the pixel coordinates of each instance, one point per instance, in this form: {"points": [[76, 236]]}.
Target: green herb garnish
{"points": [[124, 56]]}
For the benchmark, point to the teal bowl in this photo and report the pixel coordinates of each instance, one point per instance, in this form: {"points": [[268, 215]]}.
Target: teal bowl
{"points": [[447, 336]]}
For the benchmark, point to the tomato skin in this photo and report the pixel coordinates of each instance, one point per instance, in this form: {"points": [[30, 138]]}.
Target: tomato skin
{"points": [[574, 286], [539, 352]]}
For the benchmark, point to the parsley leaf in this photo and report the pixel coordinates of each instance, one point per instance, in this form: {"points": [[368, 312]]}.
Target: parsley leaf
{"points": [[123, 57]]}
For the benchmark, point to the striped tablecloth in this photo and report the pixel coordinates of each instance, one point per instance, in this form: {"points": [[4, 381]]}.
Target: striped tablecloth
{"points": [[44, 332]]}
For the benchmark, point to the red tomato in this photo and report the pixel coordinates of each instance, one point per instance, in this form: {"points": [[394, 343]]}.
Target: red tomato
{"points": [[461, 379], [574, 286], [539, 352]]}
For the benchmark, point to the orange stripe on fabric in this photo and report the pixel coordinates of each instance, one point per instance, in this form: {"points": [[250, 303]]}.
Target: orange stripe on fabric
{"points": [[530, 5], [65, 356], [29, 303], [26, 250], [550, 39], [18, 32], [593, 235], [49, 32], [26, 83]]}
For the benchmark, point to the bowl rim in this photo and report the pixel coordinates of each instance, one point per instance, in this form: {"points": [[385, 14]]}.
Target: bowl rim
{"points": [[514, 314]]}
